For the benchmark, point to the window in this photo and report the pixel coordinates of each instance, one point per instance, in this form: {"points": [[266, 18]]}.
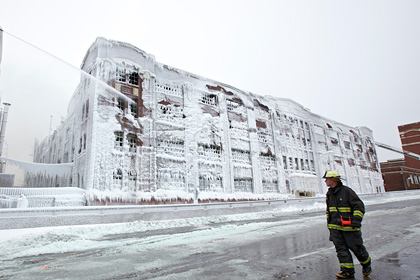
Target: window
{"points": [[133, 78], [81, 145], [208, 98], [133, 108], [120, 75], [87, 109], [132, 142], [84, 141], [285, 162], [132, 175], [121, 104], [347, 145], [117, 176], [118, 140]]}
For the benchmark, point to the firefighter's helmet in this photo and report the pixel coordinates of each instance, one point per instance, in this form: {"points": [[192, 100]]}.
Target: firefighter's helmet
{"points": [[333, 175]]}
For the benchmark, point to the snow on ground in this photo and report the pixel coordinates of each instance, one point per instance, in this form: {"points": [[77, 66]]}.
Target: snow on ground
{"points": [[34, 241]]}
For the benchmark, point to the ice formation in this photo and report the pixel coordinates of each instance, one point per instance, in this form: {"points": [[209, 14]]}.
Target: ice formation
{"points": [[140, 131]]}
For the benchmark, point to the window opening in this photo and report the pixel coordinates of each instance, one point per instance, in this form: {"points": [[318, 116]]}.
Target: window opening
{"points": [[133, 108], [120, 104], [120, 75], [118, 140], [133, 78], [132, 142]]}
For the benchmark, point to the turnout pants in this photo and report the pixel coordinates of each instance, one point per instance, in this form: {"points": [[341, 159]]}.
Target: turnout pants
{"points": [[346, 241]]}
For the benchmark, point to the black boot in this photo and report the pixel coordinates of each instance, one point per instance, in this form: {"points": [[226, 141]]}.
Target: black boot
{"points": [[345, 275], [367, 270]]}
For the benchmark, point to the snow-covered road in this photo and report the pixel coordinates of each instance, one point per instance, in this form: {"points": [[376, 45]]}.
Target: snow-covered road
{"points": [[263, 245]]}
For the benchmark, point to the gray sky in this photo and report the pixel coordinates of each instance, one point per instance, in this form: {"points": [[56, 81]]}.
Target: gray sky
{"points": [[356, 62]]}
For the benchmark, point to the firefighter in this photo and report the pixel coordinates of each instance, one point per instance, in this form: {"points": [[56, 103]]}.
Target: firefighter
{"points": [[345, 213]]}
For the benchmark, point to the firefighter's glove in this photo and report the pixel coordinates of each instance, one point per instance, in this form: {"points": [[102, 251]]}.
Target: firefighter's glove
{"points": [[356, 222]]}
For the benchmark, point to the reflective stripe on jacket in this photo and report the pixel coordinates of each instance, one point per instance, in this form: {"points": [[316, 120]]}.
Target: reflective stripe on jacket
{"points": [[343, 202]]}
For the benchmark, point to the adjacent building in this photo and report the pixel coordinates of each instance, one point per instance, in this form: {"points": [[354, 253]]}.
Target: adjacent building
{"points": [[404, 173], [141, 131]]}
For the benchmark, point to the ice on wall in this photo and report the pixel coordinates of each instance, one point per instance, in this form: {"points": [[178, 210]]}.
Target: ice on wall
{"points": [[157, 133]]}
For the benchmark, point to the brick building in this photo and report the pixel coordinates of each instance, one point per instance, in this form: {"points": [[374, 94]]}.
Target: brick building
{"points": [[137, 128], [404, 173]]}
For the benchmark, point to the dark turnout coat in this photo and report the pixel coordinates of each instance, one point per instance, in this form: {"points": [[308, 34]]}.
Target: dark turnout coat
{"points": [[342, 204]]}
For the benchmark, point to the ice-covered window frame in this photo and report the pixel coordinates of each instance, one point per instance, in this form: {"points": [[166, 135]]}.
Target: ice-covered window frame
{"points": [[232, 105], [170, 112], [133, 108], [208, 98], [334, 141], [119, 140], [121, 104], [347, 145], [241, 156], [173, 147], [120, 75], [132, 177], [285, 162], [84, 141], [132, 142], [210, 152], [117, 178], [85, 110], [243, 184], [133, 78], [82, 146], [168, 88]]}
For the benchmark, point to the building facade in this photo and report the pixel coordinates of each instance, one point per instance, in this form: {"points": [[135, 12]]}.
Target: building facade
{"points": [[404, 174], [137, 129]]}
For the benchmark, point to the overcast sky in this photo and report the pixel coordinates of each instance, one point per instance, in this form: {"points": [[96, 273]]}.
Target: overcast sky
{"points": [[356, 62]]}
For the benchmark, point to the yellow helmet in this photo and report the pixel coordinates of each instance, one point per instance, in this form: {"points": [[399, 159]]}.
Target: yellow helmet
{"points": [[331, 174]]}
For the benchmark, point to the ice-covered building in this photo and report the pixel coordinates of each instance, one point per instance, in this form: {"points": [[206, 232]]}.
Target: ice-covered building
{"points": [[142, 130]]}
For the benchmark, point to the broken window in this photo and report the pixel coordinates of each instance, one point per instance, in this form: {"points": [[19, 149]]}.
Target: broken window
{"points": [[133, 78], [208, 98], [121, 104], [133, 108], [119, 140], [334, 142], [132, 142]]}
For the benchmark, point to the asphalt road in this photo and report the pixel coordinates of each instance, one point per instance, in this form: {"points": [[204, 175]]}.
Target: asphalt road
{"points": [[280, 247]]}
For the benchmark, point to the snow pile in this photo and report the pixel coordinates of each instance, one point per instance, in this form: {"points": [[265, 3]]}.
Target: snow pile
{"points": [[41, 197], [174, 196]]}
